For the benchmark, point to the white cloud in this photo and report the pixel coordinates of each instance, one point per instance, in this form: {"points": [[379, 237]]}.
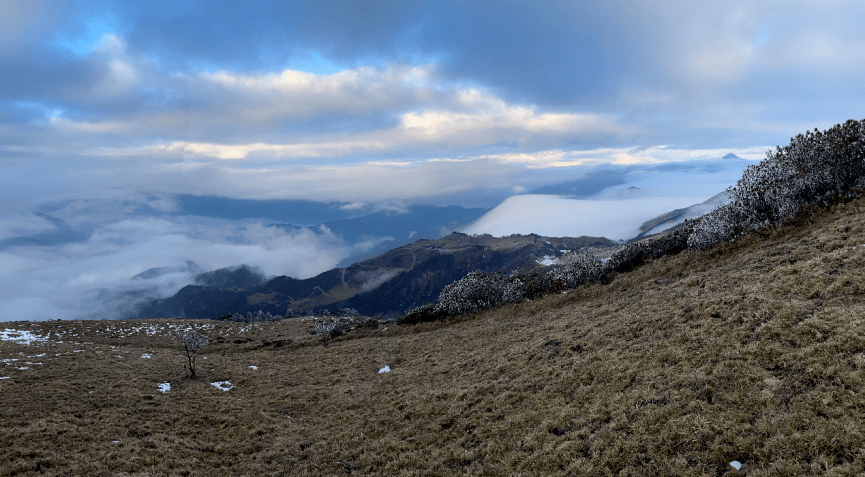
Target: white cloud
{"points": [[87, 278], [242, 151], [292, 94], [485, 119], [556, 216]]}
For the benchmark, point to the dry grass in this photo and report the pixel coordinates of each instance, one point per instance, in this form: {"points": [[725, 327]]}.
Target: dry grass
{"points": [[752, 352]]}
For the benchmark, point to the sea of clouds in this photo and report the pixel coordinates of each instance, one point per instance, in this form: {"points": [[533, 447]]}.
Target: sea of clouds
{"points": [[618, 211], [83, 258]]}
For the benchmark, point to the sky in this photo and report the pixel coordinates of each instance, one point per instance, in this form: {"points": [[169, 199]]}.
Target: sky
{"points": [[112, 111]]}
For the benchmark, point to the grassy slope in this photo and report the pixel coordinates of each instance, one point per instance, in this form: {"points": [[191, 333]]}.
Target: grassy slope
{"points": [[753, 352]]}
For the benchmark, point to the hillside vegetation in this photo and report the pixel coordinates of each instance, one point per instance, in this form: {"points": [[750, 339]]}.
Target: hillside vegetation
{"points": [[751, 351]]}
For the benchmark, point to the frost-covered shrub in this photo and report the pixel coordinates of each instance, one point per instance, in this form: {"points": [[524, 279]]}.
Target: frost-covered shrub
{"points": [[477, 291], [335, 324], [720, 225], [577, 268], [329, 329], [631, 255], [540, 282], [250, 317], [192, 342], [816, 167], [361, 321]]}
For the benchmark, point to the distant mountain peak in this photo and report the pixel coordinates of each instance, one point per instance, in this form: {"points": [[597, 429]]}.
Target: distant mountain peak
{"points": [[731, 156]]}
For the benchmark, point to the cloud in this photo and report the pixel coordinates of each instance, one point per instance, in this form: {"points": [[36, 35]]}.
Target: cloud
{"points": [[425, 113], [156, 108], [292, 93], [642, 192], [556, 216], [92, 276]]}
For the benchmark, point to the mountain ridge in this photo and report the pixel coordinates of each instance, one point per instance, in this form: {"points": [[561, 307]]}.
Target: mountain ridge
{"points": [[388, 284]]}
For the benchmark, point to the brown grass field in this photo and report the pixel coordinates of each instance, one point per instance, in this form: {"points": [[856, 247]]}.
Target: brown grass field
{"points": [[753, 351]]}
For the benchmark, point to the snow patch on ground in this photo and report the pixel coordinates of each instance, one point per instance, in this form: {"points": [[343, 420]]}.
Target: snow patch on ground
{"points": [[223, 385], [146, 356], [385, 369], [164, 387], [20, 336], [253, 368]]}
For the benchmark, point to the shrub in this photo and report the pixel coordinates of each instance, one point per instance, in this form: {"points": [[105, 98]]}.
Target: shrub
{"points": [[479, 290], [577, 268], [192, 342], [250, 317], [717, 226], [816, 167], [424, 313], [329, 329], [361, 321], [540, 282]]}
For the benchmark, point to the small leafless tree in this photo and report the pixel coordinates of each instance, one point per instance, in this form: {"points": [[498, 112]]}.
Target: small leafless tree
{"points": [[192, 342]]}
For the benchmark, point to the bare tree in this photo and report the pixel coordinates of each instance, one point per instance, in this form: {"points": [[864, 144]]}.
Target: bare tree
{"points": [[192, 342]]}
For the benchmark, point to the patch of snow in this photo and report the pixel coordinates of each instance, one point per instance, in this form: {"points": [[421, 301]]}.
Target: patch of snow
{"points": [[736, 464], [548, 260], [253, 368], [146, 356], [20, 336], [23, 368], [5, 377], [164, 387], [385, 369], [223, 385]]}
